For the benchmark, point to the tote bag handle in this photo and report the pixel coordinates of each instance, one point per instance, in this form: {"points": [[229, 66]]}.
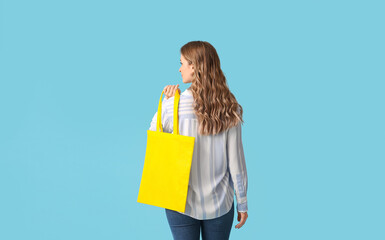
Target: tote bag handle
{"points": [[176, 121]]}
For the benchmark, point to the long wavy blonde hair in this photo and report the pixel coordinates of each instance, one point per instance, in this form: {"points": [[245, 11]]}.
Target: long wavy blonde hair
{"points": [[215, 106]]}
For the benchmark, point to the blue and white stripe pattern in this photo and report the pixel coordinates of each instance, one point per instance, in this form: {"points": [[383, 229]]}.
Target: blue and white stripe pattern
{"points": [[218, 165]]}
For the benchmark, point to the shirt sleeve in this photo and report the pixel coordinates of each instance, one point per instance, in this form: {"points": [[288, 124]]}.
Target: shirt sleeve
{"points": [[166, 123], [237, 166]]}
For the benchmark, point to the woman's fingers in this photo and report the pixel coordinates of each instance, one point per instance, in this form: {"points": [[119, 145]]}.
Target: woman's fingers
{"points": [[169, 90], [174, 88], [166, 91]]}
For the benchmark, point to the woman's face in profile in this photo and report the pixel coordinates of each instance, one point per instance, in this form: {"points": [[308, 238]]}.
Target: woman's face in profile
{"points": [[186, 70]]}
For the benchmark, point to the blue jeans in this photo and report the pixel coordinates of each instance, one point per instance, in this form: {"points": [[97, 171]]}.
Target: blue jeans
{"points": [[188, 228]]}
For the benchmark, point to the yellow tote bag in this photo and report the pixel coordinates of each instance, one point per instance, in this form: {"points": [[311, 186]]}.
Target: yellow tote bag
{"points": [[167, 165]]}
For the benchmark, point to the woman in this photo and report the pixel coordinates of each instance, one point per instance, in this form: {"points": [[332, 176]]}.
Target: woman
{"points": [[209, 112]]}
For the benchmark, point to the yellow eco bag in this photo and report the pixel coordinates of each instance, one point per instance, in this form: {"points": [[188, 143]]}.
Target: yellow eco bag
{"points": [[167, 165]]}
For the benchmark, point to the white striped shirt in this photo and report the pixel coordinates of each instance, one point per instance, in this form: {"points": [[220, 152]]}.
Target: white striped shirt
{"points": [[218, 166]]}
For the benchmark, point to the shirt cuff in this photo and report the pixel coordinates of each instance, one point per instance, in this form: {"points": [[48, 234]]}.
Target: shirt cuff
{"points": [[242, 207]]}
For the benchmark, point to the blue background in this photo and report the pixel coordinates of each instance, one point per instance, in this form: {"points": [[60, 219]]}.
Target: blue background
{"points": [[80, 82]]}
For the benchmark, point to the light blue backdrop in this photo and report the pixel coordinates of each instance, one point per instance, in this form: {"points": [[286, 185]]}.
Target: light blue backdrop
{"points": [[80, 82]]}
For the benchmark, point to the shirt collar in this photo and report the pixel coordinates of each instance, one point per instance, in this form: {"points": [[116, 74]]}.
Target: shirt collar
{"points": [[187, 92]]}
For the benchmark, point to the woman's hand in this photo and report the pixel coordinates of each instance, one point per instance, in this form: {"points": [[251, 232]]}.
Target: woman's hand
{"points": [[169, 90], [242, 216]]}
